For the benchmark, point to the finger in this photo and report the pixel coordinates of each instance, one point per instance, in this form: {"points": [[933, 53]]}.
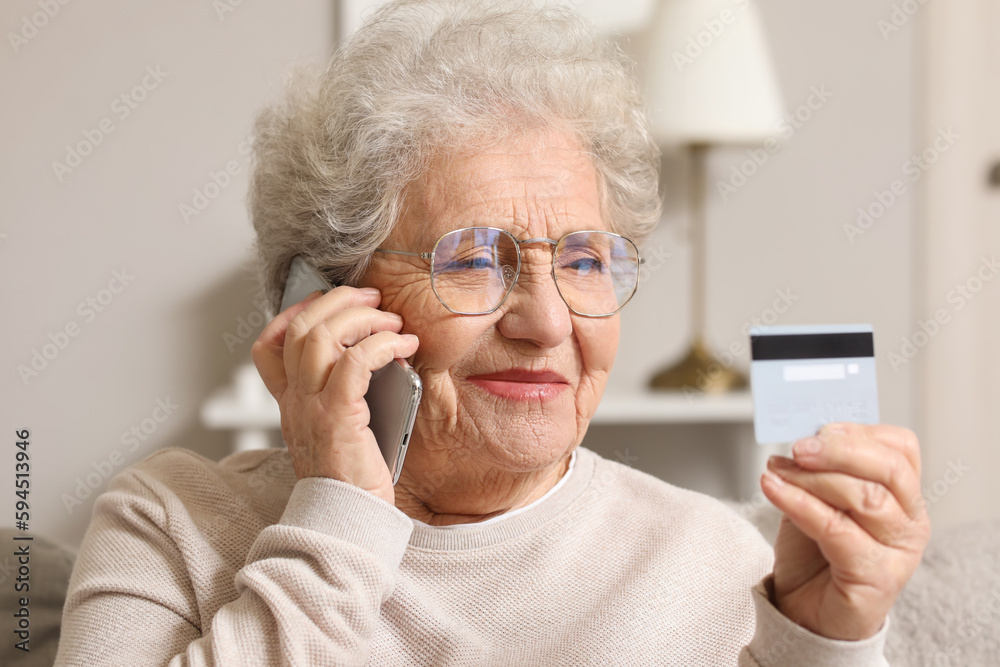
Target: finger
{"points": [[266, 352], [349, 378], [327, 340], [854, 453], [871, 505], [838, 536], [899, 438], [327, 305]]}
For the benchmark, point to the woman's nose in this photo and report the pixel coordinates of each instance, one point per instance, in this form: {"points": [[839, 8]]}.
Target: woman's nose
{"points": [[534, 310]]}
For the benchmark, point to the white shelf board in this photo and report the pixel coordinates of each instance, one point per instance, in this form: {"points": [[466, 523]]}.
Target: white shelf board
{"points": [[674, 408], [224, 410]]}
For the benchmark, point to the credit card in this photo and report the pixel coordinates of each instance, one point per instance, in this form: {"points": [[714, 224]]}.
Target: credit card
{"points": [[805, 376]]}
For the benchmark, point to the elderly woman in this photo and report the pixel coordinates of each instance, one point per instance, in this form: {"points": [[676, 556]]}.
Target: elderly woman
{"points": [[473, 176]]}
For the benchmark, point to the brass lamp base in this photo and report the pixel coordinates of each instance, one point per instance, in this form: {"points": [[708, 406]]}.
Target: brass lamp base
{"points": [[699, 370]]}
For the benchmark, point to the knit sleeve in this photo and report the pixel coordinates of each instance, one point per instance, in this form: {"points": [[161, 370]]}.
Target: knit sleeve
{"points": [[310, 589], [780, 642]]}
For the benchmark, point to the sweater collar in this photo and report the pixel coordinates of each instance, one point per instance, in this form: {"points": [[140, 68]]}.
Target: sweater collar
{"points": [[519, 522]]}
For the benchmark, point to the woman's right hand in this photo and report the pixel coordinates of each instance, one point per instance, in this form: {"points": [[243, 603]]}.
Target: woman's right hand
{"points": [[316, 358]]}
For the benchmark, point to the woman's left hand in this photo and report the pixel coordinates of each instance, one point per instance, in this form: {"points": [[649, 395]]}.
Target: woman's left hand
{"points": [[854, 527]]}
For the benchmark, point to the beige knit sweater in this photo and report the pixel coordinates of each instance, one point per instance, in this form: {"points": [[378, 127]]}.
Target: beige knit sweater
{"points": [[188, 561]]}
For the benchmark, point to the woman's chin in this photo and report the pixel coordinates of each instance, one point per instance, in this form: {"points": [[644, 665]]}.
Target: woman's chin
{"points": [[512, 434], [527, 435], [522, 455]]}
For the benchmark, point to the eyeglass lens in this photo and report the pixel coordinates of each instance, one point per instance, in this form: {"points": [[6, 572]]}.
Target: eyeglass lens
{"points": [[474, 269]]}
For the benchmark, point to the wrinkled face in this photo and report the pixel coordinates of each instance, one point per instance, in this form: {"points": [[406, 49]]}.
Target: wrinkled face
{"points": [[513, 390]]}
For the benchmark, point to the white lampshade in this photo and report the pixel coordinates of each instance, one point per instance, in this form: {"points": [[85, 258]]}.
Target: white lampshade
{"points": [[710, 78]]}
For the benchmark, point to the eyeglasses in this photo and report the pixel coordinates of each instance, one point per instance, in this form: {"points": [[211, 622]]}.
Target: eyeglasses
{"points": [[473, 270]]}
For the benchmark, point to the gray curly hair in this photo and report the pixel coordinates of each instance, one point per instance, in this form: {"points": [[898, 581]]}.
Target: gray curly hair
{"points": [[422, 78]]}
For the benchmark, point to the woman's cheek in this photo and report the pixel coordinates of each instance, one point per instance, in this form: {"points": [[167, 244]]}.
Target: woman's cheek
{"points": [[598, 341], [447, 344]]}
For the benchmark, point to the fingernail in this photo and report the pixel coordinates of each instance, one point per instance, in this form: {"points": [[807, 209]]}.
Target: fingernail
{"points": [[411, 337], [314, 295], [778, 461], [370, 291], [807, 446], [834, 428], [773, 479]]}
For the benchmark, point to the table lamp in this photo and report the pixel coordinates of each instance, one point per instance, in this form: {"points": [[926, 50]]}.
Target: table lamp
{"points": [[710, 82]]}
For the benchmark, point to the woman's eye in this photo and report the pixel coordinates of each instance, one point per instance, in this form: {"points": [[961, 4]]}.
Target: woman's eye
{"points": [[475, 262], [584, 265]]}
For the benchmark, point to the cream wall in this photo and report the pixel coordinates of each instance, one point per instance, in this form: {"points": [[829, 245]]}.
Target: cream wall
{"points": [[959, 254], [163, 337]]}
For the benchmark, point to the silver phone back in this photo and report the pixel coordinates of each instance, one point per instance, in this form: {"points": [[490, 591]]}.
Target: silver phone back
{"points": [[393, 397]]}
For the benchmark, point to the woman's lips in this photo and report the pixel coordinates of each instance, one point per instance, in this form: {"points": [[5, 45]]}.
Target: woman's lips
{"points": [[521, 384]]}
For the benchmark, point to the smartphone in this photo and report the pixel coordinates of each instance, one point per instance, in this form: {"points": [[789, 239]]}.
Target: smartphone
{"points": [[394, 392]]}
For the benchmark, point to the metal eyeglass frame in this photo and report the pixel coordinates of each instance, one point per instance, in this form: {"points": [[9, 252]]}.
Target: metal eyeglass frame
{"points": [[517, 245]]}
